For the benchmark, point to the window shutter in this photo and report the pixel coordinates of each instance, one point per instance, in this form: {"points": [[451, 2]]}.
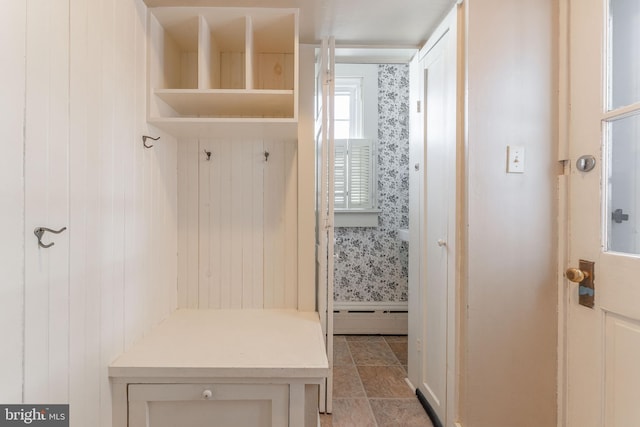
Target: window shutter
{"points": [[360, 174], [340, 174]]}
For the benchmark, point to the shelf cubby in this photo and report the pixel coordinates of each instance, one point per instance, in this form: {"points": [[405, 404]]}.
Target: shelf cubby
{"points": [[174, 44], [211, 64], [273, 52]]}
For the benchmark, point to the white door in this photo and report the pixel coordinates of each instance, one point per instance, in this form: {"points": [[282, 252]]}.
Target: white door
{"points": [[433, 213], [325, 156], [603, 341]]}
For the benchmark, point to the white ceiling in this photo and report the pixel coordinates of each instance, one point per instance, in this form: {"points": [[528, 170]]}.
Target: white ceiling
{"points": [[351, 22]]}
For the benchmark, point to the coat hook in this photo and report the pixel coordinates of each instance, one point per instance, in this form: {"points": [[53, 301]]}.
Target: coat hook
{"points": [[144, 140], [208, 154], [266, 156], [39, 232]]}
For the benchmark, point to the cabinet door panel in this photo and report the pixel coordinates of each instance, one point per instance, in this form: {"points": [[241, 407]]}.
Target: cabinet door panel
{"points": [[197, 405]]}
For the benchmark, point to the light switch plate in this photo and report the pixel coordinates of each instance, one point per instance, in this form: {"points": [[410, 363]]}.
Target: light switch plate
{"points": [[515, 159]]}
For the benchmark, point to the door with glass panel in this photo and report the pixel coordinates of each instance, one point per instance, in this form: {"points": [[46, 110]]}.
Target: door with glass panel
{"points": [[602, 383]]}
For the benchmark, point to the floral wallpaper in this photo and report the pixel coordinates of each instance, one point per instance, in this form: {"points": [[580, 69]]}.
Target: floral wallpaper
{"points": [[372, 263]]}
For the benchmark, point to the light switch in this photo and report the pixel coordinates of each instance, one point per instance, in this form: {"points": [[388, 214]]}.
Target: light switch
{"points": [[515, 159]]}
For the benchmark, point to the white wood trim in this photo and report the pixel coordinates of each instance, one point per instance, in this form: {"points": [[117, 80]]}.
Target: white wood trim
{"points": [[249, 53], [563, 158], [321, 218], [377, 322], [458, 359], [306, 183], [622, 112], [352, 218], [366, 306], [297, 404], [330, 222], [13, 24]]}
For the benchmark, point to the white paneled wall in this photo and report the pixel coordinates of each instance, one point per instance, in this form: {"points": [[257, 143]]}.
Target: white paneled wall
{"points": [[238, 224], [123, 201], [76, 77], [46, 320], [12, 64]]}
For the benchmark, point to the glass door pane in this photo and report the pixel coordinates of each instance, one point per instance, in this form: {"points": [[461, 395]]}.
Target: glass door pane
{"points": [[623, 198], [624, 53]]}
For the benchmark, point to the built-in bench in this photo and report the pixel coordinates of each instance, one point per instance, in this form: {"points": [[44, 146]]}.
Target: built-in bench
{"points": [[238, 367]]}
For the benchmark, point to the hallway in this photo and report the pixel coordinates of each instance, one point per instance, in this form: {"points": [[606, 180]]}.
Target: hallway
{"points": [[369, 384]]}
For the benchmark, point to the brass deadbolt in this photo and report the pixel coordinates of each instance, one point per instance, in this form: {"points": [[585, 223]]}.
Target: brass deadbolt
{"points": [[576, 275]]}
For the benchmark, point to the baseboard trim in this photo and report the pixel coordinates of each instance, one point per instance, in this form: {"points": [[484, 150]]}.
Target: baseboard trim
{"points": [[370, 318], [427, 407]]}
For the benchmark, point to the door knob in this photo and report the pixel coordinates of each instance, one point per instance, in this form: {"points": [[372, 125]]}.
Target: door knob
{"points": [[576, 275]]}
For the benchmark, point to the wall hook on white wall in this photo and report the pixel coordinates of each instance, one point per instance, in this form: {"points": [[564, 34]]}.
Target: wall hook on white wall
{"points": [[208, 154], [39, 232], [266, 156], [144, 140]]}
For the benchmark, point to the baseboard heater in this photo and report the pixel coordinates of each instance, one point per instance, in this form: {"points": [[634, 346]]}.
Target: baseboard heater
{"points": [[385, 318]]}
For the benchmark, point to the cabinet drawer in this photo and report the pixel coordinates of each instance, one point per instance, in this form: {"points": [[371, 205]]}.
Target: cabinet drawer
{"points": [[206, 405]]}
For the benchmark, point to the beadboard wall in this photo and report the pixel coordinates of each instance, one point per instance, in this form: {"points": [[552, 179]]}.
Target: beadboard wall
{"points": [[238, 223], [75, 112]]}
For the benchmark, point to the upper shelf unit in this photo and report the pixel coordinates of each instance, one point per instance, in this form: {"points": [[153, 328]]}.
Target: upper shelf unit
{"points": [[216, 67]]}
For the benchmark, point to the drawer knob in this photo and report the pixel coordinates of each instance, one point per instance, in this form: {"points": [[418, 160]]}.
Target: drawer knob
{"points": [[207, 394]]}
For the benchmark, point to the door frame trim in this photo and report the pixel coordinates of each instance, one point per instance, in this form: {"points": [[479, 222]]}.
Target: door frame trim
{"points": [[564, 166], [455, 21]]}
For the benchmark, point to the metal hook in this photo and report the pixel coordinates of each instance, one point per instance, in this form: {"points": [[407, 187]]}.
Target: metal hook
{"points": [[144, 140], [39, 232], [266, 156], [208, 154]]}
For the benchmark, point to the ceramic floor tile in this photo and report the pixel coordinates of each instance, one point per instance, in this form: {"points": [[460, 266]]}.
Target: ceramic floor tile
{"points": [[346, 382], [399, 412], [341, 354], [339, 338], [351, 338], [349, 413], [395, 338], [385, 381], [325, 420], [400, 350], [372, 353]]}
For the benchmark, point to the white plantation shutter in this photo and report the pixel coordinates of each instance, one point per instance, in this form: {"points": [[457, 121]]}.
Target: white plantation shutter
{"points": [[354, 174], [340, 174], [360, 174]]}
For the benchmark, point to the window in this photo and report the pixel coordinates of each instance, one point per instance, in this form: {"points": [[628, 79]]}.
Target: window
{"points": [[348, 108], [354, 174], [355, 156]]}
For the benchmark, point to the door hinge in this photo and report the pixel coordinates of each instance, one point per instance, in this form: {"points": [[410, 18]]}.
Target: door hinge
{"points": [[418, 106], [328, 77]]}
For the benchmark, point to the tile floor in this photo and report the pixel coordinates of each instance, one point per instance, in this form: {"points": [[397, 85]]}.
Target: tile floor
{"points": [[369, 389]]}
